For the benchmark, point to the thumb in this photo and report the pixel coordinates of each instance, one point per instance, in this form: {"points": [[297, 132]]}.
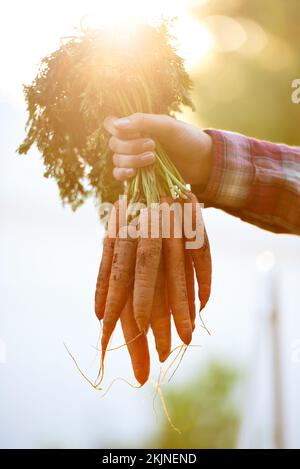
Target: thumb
{"points": [[156, 124]]}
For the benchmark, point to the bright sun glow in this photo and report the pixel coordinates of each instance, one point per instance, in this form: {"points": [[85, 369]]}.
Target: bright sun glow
{"points": [[31, 29], [193, 38], [129, 9]]}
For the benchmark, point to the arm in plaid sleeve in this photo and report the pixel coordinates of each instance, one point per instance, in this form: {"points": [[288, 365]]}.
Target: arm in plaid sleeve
{"points": [[254, 180]]}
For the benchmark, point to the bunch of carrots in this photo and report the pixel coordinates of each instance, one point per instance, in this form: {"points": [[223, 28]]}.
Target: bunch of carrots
{"points": [[143, 280]]}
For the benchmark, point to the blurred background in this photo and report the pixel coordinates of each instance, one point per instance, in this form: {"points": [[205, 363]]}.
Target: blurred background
{"points": [[241, 387]]}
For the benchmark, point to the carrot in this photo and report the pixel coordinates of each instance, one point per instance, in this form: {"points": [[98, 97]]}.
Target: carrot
{"points": [[202, 261], [146, 268], [106, 262], [190, 285], [173, 250], [103, 276], [161, 316], [120, 283], [137, 343]]}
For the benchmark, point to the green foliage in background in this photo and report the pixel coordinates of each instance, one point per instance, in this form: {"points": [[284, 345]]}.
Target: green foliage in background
{"points": [[247, 91], [205, 410]]}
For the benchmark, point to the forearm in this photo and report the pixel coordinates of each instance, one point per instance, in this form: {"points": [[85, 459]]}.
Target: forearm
{"points": [[256, 181]]}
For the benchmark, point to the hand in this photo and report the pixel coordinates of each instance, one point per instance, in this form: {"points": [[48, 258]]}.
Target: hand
{"points": [[132, 143]]}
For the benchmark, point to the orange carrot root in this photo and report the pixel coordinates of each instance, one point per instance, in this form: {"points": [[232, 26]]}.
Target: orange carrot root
{"points": [[106, 262], [137, 344], [173, 250], [120, 283], [190, 285], [103, 276], [146, 268], [202, 261], [161, 316]]}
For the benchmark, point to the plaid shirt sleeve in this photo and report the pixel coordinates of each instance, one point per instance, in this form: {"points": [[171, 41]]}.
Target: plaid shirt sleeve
{"points": [[254, 180]]}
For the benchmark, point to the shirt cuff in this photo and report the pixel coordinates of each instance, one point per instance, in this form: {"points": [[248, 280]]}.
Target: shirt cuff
{"points": [[232, 171], [208, 193]]}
